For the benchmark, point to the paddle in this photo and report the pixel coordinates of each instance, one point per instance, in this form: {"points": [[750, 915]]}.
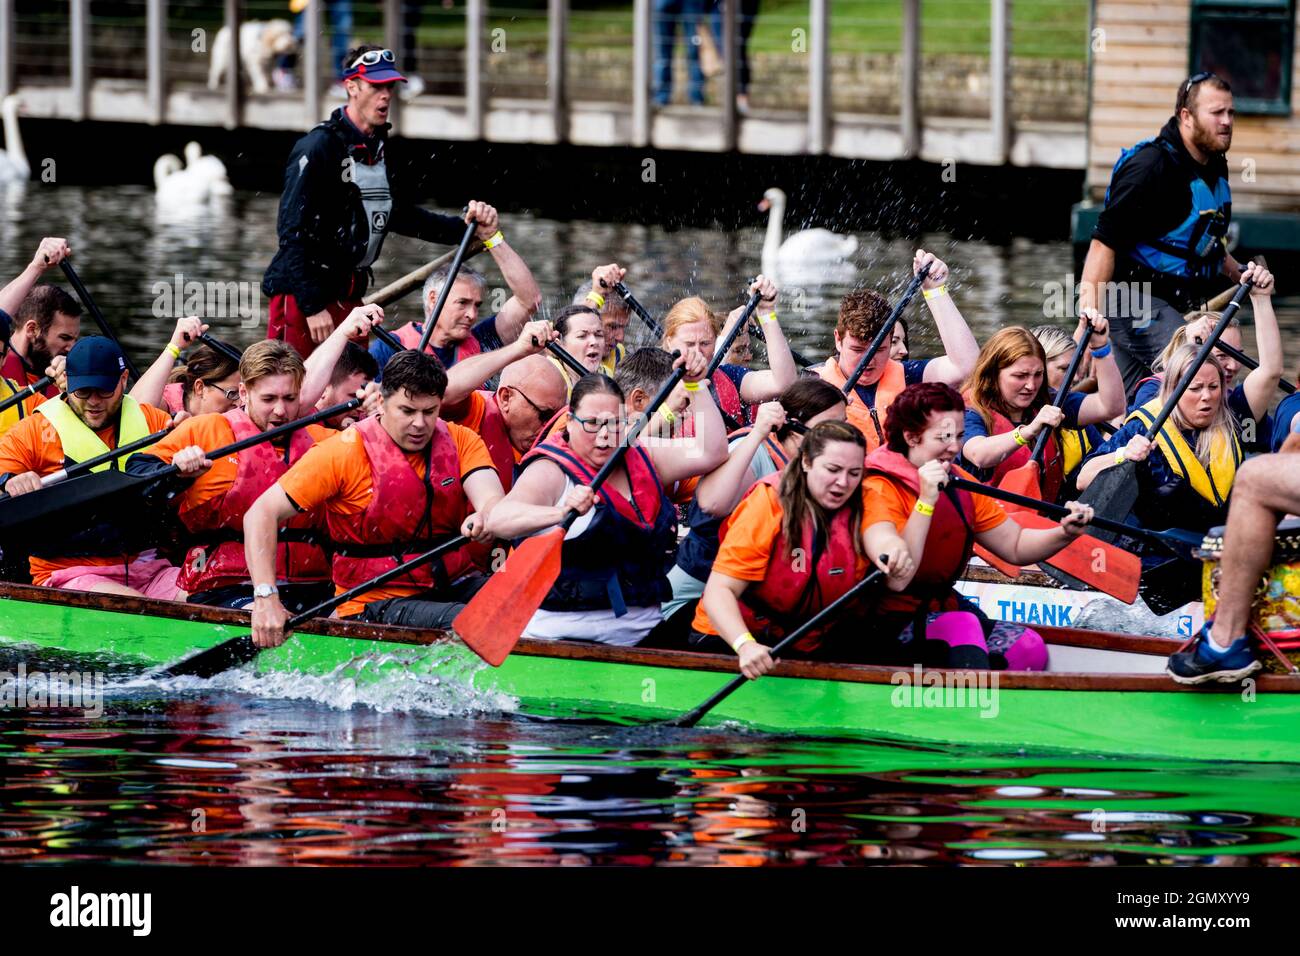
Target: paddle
{"points": [[1241, 357], [884, 332], [636, 307], [1113, 492], [229, 351], [415, 278], [81, 467], [241, 650], [560, 353], [692, 717], [84, 295], [432, 320], [40, 385]]}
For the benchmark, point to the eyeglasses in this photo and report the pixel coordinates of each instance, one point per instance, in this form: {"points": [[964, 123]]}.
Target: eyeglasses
{"points": [[592, 426], [545, 414], [1185, 90], [372, 58], [84, 394]]}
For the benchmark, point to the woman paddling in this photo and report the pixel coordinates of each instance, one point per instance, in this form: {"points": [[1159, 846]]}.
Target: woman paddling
{"points": [[1008, 404], [1076, 443], [582, 335], [612, 576], [907, 506], [1186, 473], [792, 546]]}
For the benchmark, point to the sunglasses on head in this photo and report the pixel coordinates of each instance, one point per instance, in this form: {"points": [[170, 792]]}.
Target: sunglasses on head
{"points": [[1185, 90], [372, 58]]}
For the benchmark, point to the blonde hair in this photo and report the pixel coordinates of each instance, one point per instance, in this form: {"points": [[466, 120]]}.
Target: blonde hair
{"points": [[270, 357], [1220, 432], [1179, 338], [688, 311], [1005, 348], [1054, 340]]}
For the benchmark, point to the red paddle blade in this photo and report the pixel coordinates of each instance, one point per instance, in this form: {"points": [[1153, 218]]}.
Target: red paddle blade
{"points": [[1023, 481], [1006, 567], [1094, 562], [495, 617]]}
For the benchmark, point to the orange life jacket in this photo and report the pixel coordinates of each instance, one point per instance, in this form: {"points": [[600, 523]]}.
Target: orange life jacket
{"points": [[866, 418]]}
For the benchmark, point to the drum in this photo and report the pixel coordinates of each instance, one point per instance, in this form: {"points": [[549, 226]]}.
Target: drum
{"points": [[1276, 605]]}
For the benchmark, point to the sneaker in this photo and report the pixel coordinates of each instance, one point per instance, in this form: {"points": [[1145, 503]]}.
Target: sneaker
{"points": [[1196, 665]]}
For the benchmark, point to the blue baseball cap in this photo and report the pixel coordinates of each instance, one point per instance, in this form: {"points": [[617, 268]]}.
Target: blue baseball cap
{"points": [[375, 66], [95, 362]]}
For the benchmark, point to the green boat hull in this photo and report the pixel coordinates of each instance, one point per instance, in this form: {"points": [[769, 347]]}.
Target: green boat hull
{"points": [[1132, 715]]}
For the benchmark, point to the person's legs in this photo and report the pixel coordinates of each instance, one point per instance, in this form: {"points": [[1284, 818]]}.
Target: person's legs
{"points": [[665, 31], [435, 611], [286, 322], [964, 635], [748, 14], [1140, 329], [340, 14], [693, 19]]}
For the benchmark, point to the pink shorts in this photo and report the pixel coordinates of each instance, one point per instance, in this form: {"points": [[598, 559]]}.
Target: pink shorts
{"points": [[152, 577]]}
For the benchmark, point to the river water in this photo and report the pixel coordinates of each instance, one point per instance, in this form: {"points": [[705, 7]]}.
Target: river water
{"points": [[294, 773]]}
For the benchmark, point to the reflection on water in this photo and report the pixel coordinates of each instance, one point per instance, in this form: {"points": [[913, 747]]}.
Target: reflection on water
{"points": [[229, 780]]}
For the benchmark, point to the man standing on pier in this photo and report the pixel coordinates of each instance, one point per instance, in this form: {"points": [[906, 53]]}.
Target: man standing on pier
{"points": [[1168, 206], [337, 207]]}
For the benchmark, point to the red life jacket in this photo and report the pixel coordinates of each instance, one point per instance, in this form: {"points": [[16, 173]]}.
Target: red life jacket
{"points": [[406, 516], [409, 335], [948, 544], [490, 425], [793, 590], [173, 397], [728, 397], [1053, 460], [868, 419], [219, 523]]}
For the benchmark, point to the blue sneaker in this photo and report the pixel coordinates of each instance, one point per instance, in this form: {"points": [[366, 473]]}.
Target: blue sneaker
{"points": [[1197, 664]]}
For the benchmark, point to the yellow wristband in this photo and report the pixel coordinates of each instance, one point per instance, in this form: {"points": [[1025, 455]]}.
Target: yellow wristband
{"points": [[935, 293], [770, 317], [494, 240], [741, 641], [597, 299], [1020, 439], [1119, 457], [666, 414], [691, 386], [923, 509], [173, 351]]}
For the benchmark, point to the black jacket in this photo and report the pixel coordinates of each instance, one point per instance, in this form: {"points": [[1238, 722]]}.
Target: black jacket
{"points": [[322, 225], [1149, 196]]}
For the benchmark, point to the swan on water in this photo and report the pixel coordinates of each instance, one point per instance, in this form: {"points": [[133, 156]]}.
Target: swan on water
{"points": [[14, 167], [208, 166], [802, 253]]}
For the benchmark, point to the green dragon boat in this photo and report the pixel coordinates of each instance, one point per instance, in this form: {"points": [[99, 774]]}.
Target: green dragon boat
{"points": [[1106, 693]]}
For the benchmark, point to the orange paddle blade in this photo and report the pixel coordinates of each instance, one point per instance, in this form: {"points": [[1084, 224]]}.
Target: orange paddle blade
{"points": [[1094, 562], [1006, 567], [495, 617], [1023, 481]]}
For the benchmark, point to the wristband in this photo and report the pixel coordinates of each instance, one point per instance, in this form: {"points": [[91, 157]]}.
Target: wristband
{"points": [[691, 386], [1119, 457], [594, 297], [494, 240], [173, 351], [938, 293], [1101, 352], [923, 509], [1020, 439], [666, 414], [770, 317], [741, 641]]}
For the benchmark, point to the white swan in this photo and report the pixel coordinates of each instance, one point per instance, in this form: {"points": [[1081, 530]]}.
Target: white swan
{"points": [[208, 166], [14, 167], [176, 187], [807, 253]]}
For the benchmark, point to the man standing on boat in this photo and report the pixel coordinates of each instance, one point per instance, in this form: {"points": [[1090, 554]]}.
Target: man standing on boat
{"points": [[1160, 237], [338, 205], [387, 489], [46, 320]]}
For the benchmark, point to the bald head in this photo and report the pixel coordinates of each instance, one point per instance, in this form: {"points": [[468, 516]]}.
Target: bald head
{"points": [[530, 389]]}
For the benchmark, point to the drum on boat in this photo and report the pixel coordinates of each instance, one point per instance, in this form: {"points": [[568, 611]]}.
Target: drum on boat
{"points": [[1276, 605]]}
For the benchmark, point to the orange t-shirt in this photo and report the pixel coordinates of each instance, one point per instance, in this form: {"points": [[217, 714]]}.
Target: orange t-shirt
{"points": [[887, 500], [211, 432], [472, 417], [334, 477], [34, 445], [748, 536]]}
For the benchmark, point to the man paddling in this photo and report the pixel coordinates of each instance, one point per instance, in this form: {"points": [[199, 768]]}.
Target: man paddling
{"points": [[338, 205], [217, 493], [388, 488], [46, 320], [1160, 237], [95, 416]]}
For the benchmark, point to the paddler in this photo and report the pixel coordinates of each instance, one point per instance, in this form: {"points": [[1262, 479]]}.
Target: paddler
{"points": [[792, 546], [46, 320], [691, 324], [217, 494], [612, 578], [615, 313], [582, 335], [175, 387], [908, 505], [1008, 404], [95, 416], [862, 313], [1076, 443], [388, 488]]}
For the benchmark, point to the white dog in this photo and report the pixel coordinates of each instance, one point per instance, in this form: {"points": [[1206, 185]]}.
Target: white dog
{"points": [[260, 42]]}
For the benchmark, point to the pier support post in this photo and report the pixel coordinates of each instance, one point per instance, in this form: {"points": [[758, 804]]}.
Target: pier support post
{"points": [[7, 26], [156, 60], [819, 77], [80, 59], [475, 13], [1000, 80], [909, 96], [311, 91], [234, 78], [641, 40], [556, 53]]}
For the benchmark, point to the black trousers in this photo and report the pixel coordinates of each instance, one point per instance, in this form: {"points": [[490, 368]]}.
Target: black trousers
{"points": [[296, 598], [433, 610]]}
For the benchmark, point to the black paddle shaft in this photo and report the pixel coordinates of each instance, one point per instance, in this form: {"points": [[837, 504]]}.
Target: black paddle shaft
{"points": [[636, 307], [1075, 360], [723, 347], [446, 286], [691, 718], [84, 295], [80, 467], [40, 385], [1226, 349], [885, 330], [563, 355], [229, 351]]}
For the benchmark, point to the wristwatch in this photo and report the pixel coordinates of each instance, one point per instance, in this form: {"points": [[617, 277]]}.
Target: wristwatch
{"points": [[265, 590]]}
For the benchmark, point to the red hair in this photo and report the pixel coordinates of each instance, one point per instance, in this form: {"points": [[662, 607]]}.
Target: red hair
{"points": [[911, 410]]}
